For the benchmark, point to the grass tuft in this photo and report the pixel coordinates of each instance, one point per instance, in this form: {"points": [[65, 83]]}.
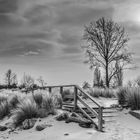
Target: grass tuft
{"points": [[4, 109], [26, 109], [3, 98], [48, 103], [133, 98], [38, 98], [121, 95]]}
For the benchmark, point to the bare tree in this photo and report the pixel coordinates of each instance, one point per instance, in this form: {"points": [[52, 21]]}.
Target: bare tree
{"points": [[10, 78], [107, 43], [27, 82], [118, 77], [97, 77], [41, 82]]}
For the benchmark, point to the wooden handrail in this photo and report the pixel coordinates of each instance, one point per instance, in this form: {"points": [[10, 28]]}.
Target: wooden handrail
{"points": [[88, 107], [89, 96]]}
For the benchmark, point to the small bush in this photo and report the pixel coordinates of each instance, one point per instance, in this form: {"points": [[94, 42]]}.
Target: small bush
{"points": [[57, 100], [3, 98], [26, 109], [38, 98], [133, 98], [13, 101], [48, 103], [4, 109], [130, 97], [122, 95]]}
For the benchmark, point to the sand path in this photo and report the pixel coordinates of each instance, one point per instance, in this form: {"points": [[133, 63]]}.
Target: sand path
{"points": [[122, 127]]}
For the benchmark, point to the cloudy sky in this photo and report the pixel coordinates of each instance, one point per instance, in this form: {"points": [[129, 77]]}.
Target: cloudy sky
{"points": [[43, 37]]}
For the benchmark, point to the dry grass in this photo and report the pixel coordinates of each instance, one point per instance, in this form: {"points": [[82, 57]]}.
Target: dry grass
{"points": [[4, 109], [101, 92], [26, 109], [129, 96], [22, 107]]}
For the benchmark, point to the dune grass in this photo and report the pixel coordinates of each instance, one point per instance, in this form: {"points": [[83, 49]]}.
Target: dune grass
{"points": [[121, 95], [3, 98], [4, 109], [40, 104], [26, 109], [38, 98], [129, 96], [101, 92]]}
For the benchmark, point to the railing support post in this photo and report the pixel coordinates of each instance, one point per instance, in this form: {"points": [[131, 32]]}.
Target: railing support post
{"points": [[61, 90], [100, 119], [50, 89], [75, 97]]}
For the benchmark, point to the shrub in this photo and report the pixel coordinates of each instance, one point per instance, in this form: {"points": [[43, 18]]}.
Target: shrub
{"points": [[48, 103], [4, 109], [129, 96], [13, 101], [3, 98], [57, 100], [38, 98], [26, 109], [122, 95], [133, 98]]}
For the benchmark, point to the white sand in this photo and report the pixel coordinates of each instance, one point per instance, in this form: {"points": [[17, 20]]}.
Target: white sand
{"points": [[122, 127]]}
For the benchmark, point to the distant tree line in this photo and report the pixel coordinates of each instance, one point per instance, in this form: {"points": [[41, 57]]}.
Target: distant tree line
{"points": [[28, 83]]}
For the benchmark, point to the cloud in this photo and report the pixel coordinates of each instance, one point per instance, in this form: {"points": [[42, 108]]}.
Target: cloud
{"points": [[37, 35], [38, 14], [80, 15], [29, 53], [27, 49], [10, 20], [71, 50], [68, 38], [8, 6]]}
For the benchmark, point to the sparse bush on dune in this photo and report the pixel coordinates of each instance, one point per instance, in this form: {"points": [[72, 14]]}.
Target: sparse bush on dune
{"points": [[38, 98], [133, 98], [57, 100], [26, 109], [129, 96], [4, 109], [121, 94], [48, 103], [34, 106], [13, 101]]}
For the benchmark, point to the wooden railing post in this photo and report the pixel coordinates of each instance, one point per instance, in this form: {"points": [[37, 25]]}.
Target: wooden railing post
{"points": [[100, 119], [50, 89], [75, 97], [61, 90]]}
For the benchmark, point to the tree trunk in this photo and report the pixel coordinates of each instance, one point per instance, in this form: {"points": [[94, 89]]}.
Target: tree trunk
{"points": [[107, 77]]}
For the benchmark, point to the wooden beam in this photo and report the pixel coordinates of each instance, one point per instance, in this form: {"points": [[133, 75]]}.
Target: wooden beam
{"points": [[75, 98], [88, 107]]}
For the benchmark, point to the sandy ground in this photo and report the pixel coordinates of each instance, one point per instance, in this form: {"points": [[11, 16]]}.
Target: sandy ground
{"points": [[121, 127]]}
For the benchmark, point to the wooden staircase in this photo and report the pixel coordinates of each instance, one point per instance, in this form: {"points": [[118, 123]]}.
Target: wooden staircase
{"points": [[97, 115], [108, 114]]}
